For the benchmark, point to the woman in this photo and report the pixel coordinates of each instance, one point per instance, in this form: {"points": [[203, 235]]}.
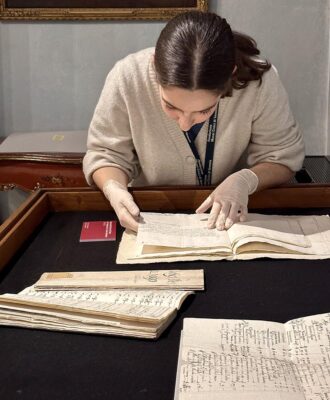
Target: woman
{"points": [[199, 108]]}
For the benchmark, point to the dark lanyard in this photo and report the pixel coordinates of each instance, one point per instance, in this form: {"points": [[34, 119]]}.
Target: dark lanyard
{"points": [[204, 174]]}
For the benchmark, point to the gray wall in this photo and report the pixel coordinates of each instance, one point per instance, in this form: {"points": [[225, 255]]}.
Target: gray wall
{"points": [[51, 73], [294, 35]]}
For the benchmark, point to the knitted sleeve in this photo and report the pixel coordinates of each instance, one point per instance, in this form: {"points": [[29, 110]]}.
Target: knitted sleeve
{"points": [[275, 135], [109, 140]]}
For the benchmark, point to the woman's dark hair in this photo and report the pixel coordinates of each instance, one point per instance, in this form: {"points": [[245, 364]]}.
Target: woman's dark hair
{"points": [[198, 50]]}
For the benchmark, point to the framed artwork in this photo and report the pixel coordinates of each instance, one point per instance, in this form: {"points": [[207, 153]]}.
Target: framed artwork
{"points": [[35, 10]]}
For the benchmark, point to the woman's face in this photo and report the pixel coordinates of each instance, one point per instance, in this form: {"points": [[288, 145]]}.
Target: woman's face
{"points": [[188, 107]]}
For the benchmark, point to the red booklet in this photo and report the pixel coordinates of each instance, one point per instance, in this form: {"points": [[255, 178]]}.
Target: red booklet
{"points": [[92, 231]]}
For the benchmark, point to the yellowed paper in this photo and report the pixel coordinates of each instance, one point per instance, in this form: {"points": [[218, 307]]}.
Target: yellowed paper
{"points": [[242, 359], [137, 313], [150, 279], [300, 237]]}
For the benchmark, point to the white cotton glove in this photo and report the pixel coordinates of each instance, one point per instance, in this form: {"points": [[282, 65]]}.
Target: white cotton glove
{"points": [[123, 204], [229, 200]]}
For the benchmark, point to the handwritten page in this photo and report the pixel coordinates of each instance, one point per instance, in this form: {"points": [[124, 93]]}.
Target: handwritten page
{"points": [[240, 359], [278, 231], [309, 349], [310, 235], [190, 230], [87, 307], [29, 317], [137, 313], [179, 231], [129, 252], [150, 279], [159, 298], [161, 238]]}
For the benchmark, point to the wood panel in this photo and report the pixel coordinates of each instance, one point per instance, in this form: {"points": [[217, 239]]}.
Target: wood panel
{"points": [[299, 196], [189, 198], [33, 175], [22, 210], [17, 229], [78, 200], [20, 231]]}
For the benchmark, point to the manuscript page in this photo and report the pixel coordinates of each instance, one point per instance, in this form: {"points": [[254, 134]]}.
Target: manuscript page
{"points": [[160, 298], [137, 313], [310, 235], [180, 231], [275, 230], [129, 252], [309, 349], [240, 359], [150, 306], [297, 237]]}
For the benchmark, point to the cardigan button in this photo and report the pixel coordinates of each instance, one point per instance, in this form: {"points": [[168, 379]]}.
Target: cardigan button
{"points": [[190, 160]]}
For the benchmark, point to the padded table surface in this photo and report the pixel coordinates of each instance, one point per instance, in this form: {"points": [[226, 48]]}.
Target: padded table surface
{"points": [[36, 364]]}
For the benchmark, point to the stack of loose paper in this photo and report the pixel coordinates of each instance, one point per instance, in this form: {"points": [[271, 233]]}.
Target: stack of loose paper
{"points": [[254, 360], [143, 310], [179, 237]]}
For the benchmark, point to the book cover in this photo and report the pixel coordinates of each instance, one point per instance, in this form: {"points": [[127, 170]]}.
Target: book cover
{"points": [[93, 231]]}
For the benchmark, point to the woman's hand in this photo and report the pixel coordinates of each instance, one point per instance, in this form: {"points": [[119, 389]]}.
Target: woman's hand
{"points": [[230, 199], [123, 204]]}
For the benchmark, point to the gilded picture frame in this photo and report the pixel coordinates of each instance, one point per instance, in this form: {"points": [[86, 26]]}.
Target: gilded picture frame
{"points": [[36, 10]]}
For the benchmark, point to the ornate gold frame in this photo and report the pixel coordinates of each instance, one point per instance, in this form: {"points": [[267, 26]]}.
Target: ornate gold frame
{"points": [[136, 13]]}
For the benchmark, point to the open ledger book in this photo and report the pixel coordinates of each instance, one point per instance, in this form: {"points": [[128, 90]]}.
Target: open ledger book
{"points": [[254, 360], [179, 237], [136, 312]]}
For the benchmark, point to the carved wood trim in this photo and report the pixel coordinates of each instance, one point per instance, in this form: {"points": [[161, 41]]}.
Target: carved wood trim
{"points": [[61, 158], [136, 13]]}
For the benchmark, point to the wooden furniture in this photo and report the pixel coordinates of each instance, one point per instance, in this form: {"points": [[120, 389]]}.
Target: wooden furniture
{"points": [[18, 227], [30, 171], [34, 160]]}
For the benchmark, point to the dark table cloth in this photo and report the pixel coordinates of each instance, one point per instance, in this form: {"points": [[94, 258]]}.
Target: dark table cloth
{"points": [[45, 365]]}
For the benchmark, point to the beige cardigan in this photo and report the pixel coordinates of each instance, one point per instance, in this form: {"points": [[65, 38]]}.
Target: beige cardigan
{"points": [[130, 130]]}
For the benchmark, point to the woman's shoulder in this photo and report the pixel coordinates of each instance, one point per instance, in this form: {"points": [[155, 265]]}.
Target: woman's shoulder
{"points": [[271, 77], [130, 72], [269, 83], [141, 55], [135, 63]]}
